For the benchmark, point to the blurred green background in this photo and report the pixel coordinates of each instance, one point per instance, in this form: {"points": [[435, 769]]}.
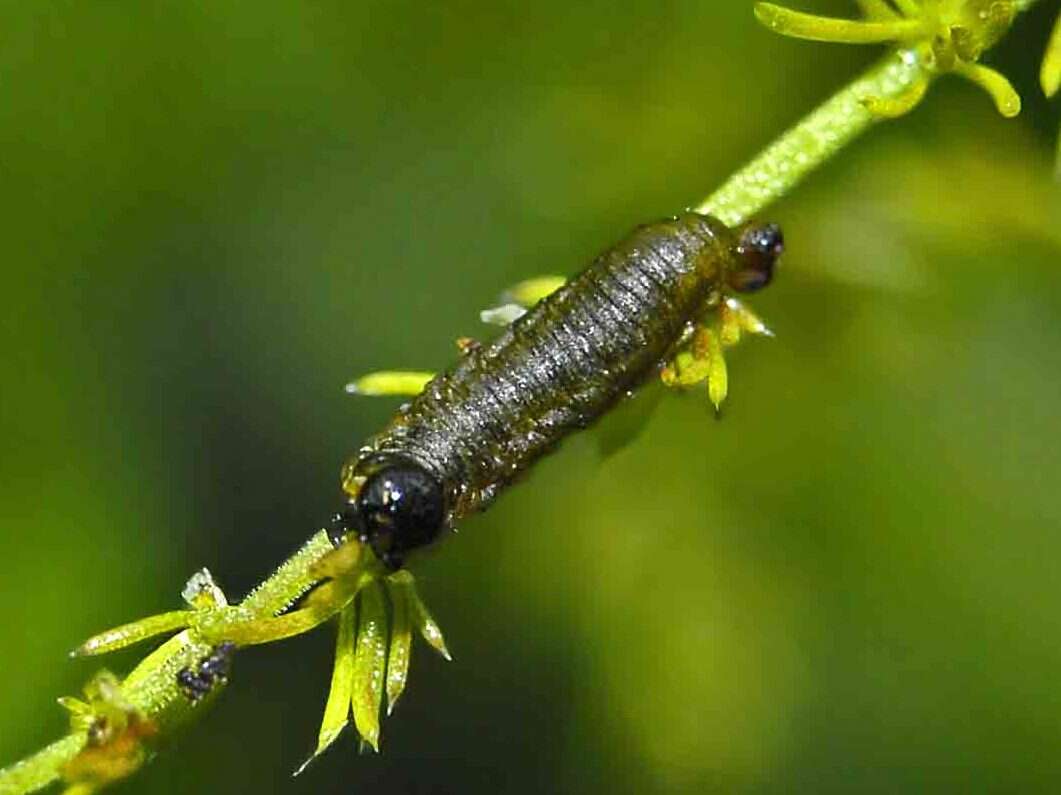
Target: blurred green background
{"points": [[216, 213]]}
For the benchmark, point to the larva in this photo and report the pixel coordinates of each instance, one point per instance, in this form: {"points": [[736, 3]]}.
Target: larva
{"points": [[476, 427]]}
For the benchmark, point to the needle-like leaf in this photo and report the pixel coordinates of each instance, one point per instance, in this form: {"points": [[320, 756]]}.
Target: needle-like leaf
{"points": [[401, 638], [129, 634], [337, 709], [402, 383], [1051, 71], [429, 629], [370, 664], [528, 293]]}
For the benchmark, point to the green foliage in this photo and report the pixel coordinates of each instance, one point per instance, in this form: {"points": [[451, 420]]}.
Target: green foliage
{"points": [[372, 657], [1051, 71], [117, 725], [115, 729]]}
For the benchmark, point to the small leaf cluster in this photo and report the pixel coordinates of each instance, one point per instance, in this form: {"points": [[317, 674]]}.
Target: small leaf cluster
{"points": [[372, 657], [948, 36]]}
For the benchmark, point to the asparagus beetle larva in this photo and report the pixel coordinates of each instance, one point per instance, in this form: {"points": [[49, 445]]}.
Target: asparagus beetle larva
{"points": [[476, 427]]}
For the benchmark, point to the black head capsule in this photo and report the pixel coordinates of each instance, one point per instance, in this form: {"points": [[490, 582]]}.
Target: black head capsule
{"points": [[399, 507], [757, 252]]}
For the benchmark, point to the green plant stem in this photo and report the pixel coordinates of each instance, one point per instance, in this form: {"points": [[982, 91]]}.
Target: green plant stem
{"points": [[822, 133], [41, 769], [152, 686], [815, 139]]}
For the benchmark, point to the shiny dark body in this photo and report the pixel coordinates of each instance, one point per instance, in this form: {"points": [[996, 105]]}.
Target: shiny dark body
{"points": [[557, 369]]}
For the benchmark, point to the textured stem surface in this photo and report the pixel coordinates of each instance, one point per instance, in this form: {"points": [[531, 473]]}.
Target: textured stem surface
{"points": [[815, 139]]}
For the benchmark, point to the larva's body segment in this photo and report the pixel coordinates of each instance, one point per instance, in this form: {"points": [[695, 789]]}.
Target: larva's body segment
{"points": [[558, 368]]}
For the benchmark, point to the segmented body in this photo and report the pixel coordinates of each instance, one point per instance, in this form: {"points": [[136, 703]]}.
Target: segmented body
{"points": [[561, 366]]}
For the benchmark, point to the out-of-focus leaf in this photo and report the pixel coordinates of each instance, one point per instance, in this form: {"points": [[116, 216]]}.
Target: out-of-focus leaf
{"points": [[1051, 71], [502, 315], [528, 293], [401, 383]]}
